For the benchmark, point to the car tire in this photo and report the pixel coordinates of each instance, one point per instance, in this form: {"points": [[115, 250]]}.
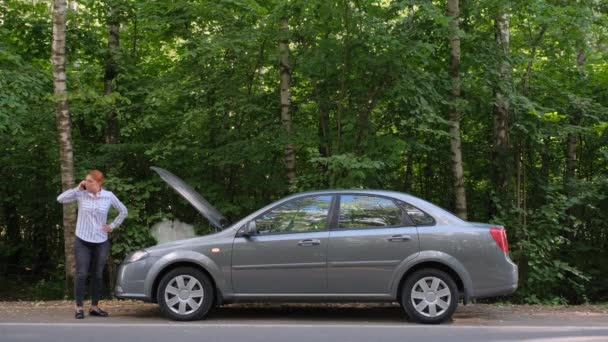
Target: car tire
{"points": [[429, 296], [185, 294]]}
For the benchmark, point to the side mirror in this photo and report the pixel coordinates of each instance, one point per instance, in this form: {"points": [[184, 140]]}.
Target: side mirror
{"points": [[249, 230]]}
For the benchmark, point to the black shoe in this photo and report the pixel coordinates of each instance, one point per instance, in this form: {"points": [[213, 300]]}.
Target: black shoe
{"points": [[79, 314], [98, 313]]}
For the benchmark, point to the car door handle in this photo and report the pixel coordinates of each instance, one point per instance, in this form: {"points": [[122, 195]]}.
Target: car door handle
{"points": [[309, 242], [399, 238]]}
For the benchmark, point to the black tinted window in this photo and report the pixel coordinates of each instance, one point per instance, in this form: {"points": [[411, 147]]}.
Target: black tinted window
{"points": [[419, 217], [360, 211], [300, 215]]}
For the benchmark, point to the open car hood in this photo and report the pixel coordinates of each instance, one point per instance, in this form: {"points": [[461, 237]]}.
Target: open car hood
{"points": [[186, 191]]}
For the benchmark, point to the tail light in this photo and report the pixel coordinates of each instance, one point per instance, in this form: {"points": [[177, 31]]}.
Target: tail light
{"points": [[499, 234]]}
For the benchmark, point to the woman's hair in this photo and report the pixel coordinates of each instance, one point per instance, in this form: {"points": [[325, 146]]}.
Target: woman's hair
{"points": [[96, 175]]}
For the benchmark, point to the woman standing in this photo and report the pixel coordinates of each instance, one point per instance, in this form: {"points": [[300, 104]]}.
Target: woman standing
{"points": [[91, 245]]}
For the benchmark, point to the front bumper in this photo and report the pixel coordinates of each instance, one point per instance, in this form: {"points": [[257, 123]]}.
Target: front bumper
{"points": [[131, 279]]}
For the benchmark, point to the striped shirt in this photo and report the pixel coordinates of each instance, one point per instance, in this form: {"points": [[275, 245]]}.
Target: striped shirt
{"points": [[93, 212]]}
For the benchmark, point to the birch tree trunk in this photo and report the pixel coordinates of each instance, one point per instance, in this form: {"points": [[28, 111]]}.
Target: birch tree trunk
{"points": [[454, 117], [285, 72], [64, 131], [501, 165]]}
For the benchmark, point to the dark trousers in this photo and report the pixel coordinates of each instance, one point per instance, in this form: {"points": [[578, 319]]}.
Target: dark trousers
{"points": [[89, 255]]}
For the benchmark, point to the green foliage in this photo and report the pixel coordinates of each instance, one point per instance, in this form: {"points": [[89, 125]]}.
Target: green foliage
{"points": [[539, 250], [347, 170], [197, 92], [128, 239]]}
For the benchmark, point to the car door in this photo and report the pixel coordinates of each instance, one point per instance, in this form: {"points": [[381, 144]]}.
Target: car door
{"points": [[288, 252], [371, 237]]}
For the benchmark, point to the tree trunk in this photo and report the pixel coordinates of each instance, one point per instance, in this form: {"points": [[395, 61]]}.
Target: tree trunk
{"points": [[409, 171], [323, 130], [64, 131], [285, 70], [111, 71], [501, 167], [13, 231], [571, 154], [363, 119], [536, 195], [343, 75], [572, 140], [572, 157], [525, 82], [519, 170], [112, 128], [323, 121], [454, 116], [362, 131], [11, 219]]}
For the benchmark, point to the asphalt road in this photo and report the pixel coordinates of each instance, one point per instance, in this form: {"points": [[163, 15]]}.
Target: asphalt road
{"points": [[135, 322], [265, 332]]}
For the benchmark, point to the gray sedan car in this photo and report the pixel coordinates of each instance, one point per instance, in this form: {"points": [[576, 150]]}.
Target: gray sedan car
{"points": [[325, 246]]}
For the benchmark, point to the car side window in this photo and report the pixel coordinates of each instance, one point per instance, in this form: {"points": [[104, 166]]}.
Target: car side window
{"points": [[308, 214], [363, 211], [419, 217]]}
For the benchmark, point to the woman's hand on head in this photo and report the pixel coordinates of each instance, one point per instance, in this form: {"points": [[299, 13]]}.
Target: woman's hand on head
{"points": [[82, 185]]}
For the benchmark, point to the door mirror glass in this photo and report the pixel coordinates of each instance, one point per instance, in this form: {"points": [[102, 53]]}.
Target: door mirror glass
{"points": [[248, 230]]}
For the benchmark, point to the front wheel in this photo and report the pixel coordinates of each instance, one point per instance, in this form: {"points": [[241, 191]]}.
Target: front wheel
{"points": [[185, 294], [429, 296]]}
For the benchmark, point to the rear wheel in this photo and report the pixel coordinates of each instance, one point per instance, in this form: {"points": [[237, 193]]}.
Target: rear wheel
{"points": [[429, 296], [185, 294]]}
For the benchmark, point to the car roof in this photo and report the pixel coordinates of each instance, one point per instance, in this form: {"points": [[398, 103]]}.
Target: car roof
{"points": [[390, 193]]}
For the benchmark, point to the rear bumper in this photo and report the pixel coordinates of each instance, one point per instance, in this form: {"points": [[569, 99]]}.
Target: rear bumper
{"points": [[495, 291], [505, 284]]}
